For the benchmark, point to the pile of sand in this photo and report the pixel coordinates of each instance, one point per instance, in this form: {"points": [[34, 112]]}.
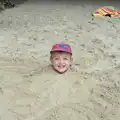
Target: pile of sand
{"points": [[26, 35]]}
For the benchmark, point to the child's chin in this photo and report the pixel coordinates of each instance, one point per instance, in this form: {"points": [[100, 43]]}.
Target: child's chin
{"points": [[62, 71]]}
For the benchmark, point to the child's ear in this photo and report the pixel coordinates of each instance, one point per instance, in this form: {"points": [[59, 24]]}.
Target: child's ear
{"points": [[71, 59], [50, 58]]}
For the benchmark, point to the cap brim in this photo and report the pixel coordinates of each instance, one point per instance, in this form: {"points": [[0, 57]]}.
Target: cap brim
{"points": [[60, 50]]}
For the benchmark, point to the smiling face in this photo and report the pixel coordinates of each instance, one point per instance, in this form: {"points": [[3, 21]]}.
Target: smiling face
{"points": [[61, 61]]}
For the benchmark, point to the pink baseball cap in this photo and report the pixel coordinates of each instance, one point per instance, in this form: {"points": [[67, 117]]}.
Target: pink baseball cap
{"points": [[61, 47]]}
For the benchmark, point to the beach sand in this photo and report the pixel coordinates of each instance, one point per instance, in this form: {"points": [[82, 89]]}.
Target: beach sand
{"points": [[29, 93]]}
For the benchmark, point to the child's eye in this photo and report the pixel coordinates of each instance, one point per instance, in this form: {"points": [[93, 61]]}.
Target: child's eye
{"points": [[65, 58], [56, 58]]}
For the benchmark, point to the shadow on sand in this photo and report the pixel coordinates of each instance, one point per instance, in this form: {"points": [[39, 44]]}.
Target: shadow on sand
{"points": [[19, 2], [114, 3], [7, 4]]}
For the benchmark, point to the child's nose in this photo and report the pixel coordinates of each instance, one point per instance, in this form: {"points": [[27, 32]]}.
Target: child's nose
{"points": [[61, 61]]}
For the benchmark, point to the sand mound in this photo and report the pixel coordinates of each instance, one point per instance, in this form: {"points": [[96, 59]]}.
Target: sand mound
{"points": [[26, 93]]}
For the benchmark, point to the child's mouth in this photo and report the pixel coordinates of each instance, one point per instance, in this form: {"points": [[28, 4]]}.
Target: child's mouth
{"points": [[61, 66]]}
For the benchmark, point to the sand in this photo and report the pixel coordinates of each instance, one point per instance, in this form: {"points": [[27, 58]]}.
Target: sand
{"points": [[26, 35]]}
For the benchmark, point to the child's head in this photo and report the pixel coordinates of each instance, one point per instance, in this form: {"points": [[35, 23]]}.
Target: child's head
{"points": [[61, 57]]}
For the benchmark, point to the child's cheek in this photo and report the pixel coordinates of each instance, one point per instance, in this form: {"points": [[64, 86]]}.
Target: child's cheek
{"points": [[54, 62]]}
